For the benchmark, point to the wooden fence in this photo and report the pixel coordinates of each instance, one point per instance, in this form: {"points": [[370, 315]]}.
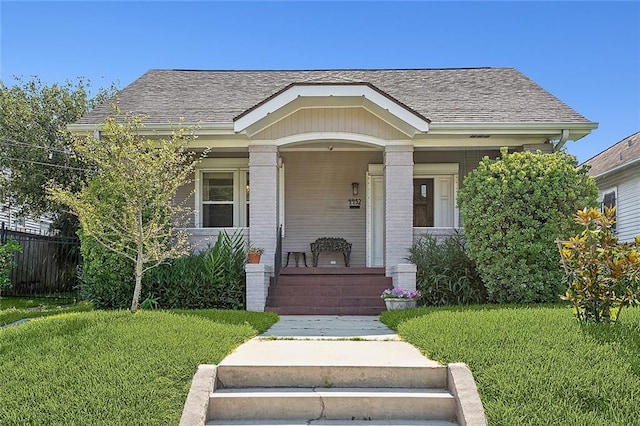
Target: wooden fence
{"points": [[47, 265]]}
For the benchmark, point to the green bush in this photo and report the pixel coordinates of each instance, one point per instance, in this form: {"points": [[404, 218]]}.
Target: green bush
{"points": [[513, 209], [106, 279], [212, 278], [7, 252], [602, 275], [446, 275]]}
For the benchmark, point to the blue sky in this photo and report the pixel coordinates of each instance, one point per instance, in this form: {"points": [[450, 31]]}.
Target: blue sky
{"points": [[585, 53]]}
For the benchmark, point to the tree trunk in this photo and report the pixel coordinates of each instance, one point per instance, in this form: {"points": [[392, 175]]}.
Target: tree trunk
{"points": [[138, 288]]}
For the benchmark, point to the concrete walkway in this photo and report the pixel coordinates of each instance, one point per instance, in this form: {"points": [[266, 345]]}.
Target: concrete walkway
{"points": [[330, 327], [328, 341]]}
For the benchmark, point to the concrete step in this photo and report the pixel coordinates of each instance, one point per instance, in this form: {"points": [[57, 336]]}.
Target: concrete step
{"points": [[331, 404], [324, 422], [239, 376]]}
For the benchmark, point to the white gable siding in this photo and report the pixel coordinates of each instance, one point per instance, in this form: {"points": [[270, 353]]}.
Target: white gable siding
{"points": [[627, 183], [13, 220], [344, 120]]}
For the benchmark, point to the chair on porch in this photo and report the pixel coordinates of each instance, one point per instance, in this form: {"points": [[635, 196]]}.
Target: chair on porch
{"points": [[331, 245]]}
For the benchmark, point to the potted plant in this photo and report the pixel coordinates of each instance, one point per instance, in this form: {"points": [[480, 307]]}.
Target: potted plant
{"points": [[254, 254], [399, 298]]}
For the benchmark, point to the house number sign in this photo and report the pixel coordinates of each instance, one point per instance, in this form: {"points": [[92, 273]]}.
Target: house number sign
{"points": [[354, 203]]}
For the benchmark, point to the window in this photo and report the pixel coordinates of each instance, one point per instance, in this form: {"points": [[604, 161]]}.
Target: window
{"points": [[423, 202], [609, 200], [217, 199], [222, 195], [434, 192]]}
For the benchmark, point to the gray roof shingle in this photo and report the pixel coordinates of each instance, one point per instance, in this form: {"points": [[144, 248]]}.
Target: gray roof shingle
{"points": [[460, 95], [623, 152]]}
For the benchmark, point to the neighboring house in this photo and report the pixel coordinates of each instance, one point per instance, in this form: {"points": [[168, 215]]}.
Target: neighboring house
{"points": [[372, 156], [617, 174], [11, 218]]}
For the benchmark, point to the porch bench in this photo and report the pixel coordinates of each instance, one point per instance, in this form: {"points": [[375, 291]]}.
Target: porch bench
{"points": [[330, 245]]}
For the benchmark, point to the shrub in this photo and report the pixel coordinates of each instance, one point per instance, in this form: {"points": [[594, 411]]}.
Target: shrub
{"points": [[446, 275], [212, 278], [106, 279], [602, 275], [7, 251], [514, 208]]}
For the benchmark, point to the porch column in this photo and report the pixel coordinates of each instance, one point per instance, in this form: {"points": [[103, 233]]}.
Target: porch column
{"points": [[398, 214], [263, 208]]}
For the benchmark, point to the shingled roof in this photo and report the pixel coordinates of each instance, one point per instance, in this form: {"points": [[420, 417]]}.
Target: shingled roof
{"points": [[623, 152], [460, 95]]}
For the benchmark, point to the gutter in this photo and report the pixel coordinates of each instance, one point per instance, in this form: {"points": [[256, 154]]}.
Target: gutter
{"points": [[564, 136], [201, 128]]}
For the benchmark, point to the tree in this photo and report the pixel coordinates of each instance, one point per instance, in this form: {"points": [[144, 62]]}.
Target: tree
{"points": [[513, 209], [127, 204], [35, 145]]}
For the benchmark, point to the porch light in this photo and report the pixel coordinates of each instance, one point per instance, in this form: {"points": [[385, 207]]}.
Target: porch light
{"points": [[354, 188]]}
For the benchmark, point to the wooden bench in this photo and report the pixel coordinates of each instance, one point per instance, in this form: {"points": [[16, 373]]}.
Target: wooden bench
{"points": [[330, 245]]}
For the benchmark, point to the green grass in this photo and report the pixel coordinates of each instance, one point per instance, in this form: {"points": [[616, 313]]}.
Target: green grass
{"points": [[7, 302], [7, 316], [260, 321], [109, 367], [537, 365]]}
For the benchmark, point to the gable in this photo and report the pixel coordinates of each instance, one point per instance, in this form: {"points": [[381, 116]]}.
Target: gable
{"points": [[331, 120]]}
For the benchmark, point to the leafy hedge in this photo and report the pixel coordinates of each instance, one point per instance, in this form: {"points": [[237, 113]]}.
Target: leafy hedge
{"points": [[513, 209], [212, 278], [446, 275]]}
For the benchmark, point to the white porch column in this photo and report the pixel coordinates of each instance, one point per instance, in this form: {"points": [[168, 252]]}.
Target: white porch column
{"points": [[263, 209], [398, 213], [258, 278]]}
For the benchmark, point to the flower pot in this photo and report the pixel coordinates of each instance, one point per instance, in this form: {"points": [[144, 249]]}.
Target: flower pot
{"points": [[398, 303], [254, 257]]}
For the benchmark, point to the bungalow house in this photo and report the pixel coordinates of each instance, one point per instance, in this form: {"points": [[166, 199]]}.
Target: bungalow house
{"points": [[370, 158], [617, 174]]}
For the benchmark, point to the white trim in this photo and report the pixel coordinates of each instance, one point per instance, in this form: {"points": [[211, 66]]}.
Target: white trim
{"points": [[328, 136], [239, 167], [336, 90], [436, 168], [369, 228], [281, 197], [375, 169]]}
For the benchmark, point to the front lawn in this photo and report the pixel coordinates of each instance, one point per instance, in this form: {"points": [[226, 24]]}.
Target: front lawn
{"points": [[110, 367], [9, 315], [536, 365], [7, 302]]}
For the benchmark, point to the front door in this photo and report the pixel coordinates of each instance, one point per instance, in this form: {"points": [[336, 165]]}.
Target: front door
{"points": [[423, 200]]}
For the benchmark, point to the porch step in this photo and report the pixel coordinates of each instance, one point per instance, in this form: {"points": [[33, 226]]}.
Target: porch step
{"points": [[329, 291], [332, 395]]}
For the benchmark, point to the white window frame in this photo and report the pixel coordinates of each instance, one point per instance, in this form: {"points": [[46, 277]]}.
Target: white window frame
{"points": [[239, 168], [437, 171]]}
